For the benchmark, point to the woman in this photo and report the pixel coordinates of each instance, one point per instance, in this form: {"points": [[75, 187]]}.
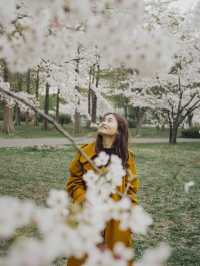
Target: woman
{"points": [[112, 137]]}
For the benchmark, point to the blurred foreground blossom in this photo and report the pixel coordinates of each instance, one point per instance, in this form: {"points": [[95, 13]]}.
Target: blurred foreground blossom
{"points": [[123, 252], [102, 159], [155, 256], [57, 199], [14, 214], [67, 229]]}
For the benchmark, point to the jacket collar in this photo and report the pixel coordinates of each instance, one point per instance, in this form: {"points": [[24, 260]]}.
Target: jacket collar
{"points": [[89, 149]]}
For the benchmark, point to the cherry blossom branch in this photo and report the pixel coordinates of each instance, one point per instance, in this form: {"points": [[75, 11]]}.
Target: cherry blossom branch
{"points": [[51, 120], [66, 134]]}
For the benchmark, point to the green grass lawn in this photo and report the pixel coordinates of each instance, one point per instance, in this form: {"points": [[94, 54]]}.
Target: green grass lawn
{"points": [[162, 168], [29, 131]]}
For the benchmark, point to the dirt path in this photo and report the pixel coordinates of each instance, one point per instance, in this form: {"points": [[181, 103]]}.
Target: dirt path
{"points": [[81, 140]]}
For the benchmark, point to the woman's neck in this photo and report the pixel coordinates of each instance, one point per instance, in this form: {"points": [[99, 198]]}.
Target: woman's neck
{"points": [[108, 141]]}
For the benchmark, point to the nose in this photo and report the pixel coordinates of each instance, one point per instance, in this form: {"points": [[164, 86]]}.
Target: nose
{"points": [[103, 124]]}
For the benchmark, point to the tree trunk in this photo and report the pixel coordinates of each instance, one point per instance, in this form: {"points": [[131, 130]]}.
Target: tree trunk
{"points": [[77, 121], [8, 125], [37, 83], [36, 120], [190, 116], [94, 97], [173, 134], [89, 97], [28, 85], [27, 117], [89, 105], [163, 127], [89, 102], [170, 134], [46, 106], [140, 119], [28, 81], [94, 107], [17, 108], [77, 115], [89, 91], [57, 105], [17, 115], [126, 111]]}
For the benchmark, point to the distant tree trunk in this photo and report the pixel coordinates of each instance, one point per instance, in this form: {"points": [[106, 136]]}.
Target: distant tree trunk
{"points": [[77, 115], [8, 123], [28, 81], [89, 91], [90, 94], [126, 111], [57, 105], [89, 101], [77, 122], [125, 101], [94, 107], [19, 82], [190, 116], [27, 117], [140, 115], [37, 84], [17, 115], [17, 108], [163, 126], [170, 134], [46, 106], [28, 85], [94, 97], [89, 106]]}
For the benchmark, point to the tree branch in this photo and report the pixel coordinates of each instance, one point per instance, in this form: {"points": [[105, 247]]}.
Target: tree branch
{"points": [[189, 101], [51, 120], [190, 110]]}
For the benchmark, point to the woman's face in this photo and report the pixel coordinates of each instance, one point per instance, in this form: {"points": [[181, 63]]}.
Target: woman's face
{"points": [[108, 125]]}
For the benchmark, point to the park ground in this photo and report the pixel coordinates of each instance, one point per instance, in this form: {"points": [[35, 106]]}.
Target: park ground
{"points": [[163, 169], [30, 131]]}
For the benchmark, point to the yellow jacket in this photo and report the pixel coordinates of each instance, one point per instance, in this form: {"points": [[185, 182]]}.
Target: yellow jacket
{"points": [[76, 188]]}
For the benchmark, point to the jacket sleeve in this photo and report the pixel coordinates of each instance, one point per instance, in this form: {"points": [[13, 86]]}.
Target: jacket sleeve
{"points": [[132, 183], [75, 185]]}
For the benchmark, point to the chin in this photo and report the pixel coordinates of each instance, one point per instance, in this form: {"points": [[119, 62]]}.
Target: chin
{"points": [[100, 133], [104, 134]]}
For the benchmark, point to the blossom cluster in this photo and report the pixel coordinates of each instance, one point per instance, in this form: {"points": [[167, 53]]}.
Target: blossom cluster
{"points": [[68, 229]]}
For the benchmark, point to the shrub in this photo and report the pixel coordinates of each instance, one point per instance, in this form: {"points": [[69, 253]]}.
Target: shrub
{"points": [[131, 123], [64, 119], [193, 132]]}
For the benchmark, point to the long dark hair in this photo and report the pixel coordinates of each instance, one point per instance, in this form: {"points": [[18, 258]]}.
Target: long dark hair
{"points": [[120, 144]]}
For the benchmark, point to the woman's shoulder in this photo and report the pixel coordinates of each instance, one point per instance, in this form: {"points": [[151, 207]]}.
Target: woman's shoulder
{"points": [[89, 149], [88, 146]]}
